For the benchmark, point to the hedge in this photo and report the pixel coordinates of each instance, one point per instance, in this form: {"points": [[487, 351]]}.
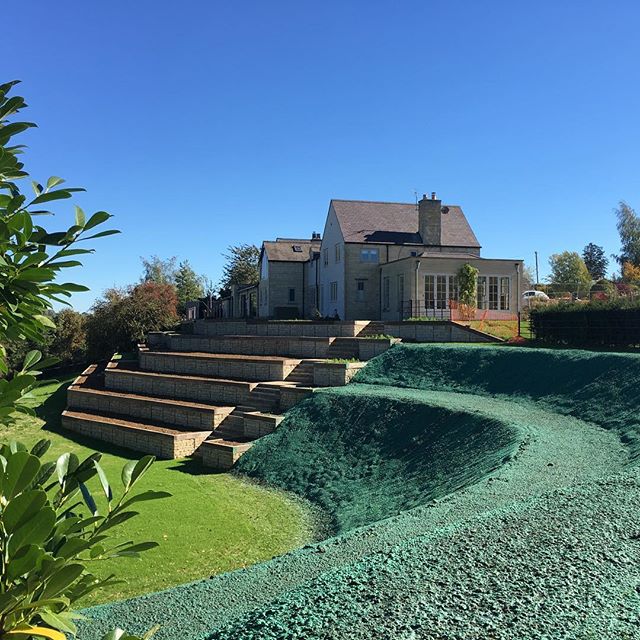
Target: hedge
{"points": [[608, 325]]}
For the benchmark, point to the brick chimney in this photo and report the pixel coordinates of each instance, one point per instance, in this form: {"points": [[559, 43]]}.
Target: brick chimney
{"points": [[430, 220]]}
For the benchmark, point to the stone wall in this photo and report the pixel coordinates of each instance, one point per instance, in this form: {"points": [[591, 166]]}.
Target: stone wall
{"points": [[435, 331], [370, 348], [232, 368], [160, 443], [222, 456], [227, 392], [274, 328], [180, 414], [335, 374]]}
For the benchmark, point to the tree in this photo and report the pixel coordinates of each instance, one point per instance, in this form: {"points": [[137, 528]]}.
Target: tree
{"points": [[32, 258], [528, 279], [69, 340], [159, 271], [189, 285], [596, 261], [123, 317], [241, 266], [631, 273], [468, 291], [53, 529], [629, 230], [569, 273]]}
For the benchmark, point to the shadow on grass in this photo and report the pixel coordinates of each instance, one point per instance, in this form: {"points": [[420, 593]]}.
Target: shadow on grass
{"points": [[50, 411], [193, 467]]}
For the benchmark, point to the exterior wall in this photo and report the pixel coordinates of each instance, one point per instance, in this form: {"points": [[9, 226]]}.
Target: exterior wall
{"points": [[368, 305], [333, 271], [312, 289], [263, 287], [445, 266], [282, 277]]}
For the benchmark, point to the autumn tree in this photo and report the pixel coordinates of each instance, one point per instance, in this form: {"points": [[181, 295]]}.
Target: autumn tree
{"points": [[595, 260]]}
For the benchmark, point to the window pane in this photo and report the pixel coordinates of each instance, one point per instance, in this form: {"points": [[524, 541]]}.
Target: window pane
{"points": [[429, 292], [493, 292], [454, 290], [441, 292], [504, 293], [482, 292]]}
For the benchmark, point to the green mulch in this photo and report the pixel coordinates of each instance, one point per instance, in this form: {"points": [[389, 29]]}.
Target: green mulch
{"points": [[211, 524], [538, 538]]}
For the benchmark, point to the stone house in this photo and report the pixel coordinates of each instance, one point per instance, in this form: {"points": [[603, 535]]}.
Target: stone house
{"points": [[289, 278], [392, 261]]}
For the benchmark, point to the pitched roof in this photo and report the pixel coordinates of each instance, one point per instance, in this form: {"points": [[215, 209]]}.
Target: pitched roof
{"points": [[397, 223], [282, 249]]}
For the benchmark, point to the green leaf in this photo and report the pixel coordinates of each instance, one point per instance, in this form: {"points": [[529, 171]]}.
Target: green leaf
{"points": [[54, 181], [32, 358], [40, 447], [26, 560], [97, 218], [144, 496], [103, 480], [45, 320], [88, 498], [102, 234], [35, 531], [61, 579], [21, 469], [22, 508], [80, 217], [58, 621], [133, 472], [67, 463], [60, 194]]}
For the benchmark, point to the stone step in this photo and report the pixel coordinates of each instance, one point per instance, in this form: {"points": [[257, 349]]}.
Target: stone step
{"points": [[288, 346], [231, 367], [178, 387], [144, 437], [221, 454], [179, 414]]}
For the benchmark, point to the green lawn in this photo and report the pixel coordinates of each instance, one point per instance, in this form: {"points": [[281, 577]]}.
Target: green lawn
{"points": [[213, 523]]}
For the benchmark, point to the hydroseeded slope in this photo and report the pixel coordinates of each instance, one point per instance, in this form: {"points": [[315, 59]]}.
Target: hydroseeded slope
{"points": [[541, 547]]}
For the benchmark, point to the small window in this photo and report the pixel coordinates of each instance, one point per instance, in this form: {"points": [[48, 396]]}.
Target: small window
{"points": [[297, 248], [360, 290], [337, 253], [292, 295], [334, 292], [325, 257], [414, 254], [369, 255]]}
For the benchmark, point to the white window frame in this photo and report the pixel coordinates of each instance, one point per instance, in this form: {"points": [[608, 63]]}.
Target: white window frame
{"points": [[333, 291], [370, 255]]}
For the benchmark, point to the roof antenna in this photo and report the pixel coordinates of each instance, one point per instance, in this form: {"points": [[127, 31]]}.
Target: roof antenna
{"points": [[415, 193]]}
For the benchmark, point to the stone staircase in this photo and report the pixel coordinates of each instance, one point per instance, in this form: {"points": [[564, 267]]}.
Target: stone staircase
{"points": [[211, 389]]}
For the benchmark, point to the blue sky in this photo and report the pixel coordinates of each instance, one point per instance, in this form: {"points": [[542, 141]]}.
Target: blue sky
{"points": [[202, 124]]}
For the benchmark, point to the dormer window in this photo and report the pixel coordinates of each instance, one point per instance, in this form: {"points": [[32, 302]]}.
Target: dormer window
{"points": [[297, 248]]}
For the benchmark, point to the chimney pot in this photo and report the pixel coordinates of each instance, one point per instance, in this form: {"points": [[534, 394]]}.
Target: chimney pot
{"points": [[433, 195], [424, 196]]}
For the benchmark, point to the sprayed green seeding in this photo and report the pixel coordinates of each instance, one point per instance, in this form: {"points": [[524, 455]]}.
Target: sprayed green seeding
{"points": [[471, 492]]}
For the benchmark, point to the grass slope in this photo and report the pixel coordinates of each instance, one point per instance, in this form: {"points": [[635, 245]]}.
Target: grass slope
{"points": [[363, 457], [212, 523], [543, 546]]}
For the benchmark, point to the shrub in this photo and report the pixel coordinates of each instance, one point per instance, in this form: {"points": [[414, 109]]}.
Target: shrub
{"points": [[51, 529], [599, 323]]}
